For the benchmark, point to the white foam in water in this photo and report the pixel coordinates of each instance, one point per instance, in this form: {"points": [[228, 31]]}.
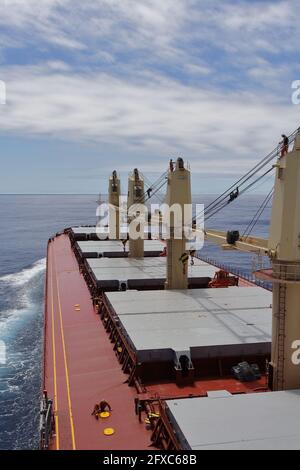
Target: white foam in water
{"points": [[18, 279], [2, 353], [20, 357]]}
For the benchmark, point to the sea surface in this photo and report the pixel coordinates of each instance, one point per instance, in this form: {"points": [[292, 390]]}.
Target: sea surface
{"points": [[26, 223]]}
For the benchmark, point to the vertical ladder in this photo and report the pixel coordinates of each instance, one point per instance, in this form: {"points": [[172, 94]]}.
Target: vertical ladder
{"points": [[170, 255], [281, 337]]}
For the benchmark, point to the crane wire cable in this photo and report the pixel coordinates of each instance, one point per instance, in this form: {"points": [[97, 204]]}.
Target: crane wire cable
{"points": [[258, 214], [269, 178], [150, 186], [242, 183], [253, 183], [155, 188], [158, 182], [156, 191], [250, 174]]}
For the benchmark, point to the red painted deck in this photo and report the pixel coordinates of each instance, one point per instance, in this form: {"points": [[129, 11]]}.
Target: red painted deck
{"points": [[245, 283], [201, 387], [80, 365]]}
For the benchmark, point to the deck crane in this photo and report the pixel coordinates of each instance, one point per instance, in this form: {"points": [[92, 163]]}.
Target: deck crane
{"points": [[178, 194], [283, 250], [114, 191], [136, 214]]}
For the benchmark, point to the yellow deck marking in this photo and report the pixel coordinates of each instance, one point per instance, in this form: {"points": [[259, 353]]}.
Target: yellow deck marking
{"points": [[109, 431], [54, 361], [66, 363]]}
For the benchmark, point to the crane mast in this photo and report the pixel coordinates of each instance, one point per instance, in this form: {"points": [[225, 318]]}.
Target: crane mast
{"points": [[284, 243], [136, 215], [283, 249], [114, 191], [178, 197]]}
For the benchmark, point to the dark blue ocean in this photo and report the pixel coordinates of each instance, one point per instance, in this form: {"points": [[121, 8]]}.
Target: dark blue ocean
{"points": [[26, 223]]}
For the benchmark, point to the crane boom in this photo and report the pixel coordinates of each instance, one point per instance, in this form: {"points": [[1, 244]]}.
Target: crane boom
{"points": [[247, 244]]}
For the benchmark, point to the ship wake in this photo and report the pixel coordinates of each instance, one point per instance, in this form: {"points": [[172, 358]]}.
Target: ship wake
{"points": [[21, 327], [24, 276]]}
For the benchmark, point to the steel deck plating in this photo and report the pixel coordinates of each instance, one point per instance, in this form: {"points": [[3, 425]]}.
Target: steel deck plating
{"points": [[124, 269], [100, 248], [82, 366], [207, 322], [259, 421]]}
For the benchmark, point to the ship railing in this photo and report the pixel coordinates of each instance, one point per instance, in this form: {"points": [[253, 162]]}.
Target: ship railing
{"points": [[278, 271], [247, 276], [46, 422], [164, 435]]}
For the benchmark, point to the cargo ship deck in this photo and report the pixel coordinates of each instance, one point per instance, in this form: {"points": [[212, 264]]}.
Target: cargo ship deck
{"points": [[80, 366], [84, 362], [181, 350]]}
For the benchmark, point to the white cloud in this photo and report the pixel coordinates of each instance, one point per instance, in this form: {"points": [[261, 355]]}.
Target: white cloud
{"points": [[72, 23], [257, 16], [147, 32], [161, 116], [46, 19], [167, 27], [122, 90], [58, 65], [198, 69]]}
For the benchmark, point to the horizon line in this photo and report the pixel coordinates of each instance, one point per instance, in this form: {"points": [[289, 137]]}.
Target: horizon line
{"points": [[106, 194]]}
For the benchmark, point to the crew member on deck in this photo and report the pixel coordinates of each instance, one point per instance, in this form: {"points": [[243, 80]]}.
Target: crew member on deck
{"points": [[98, 409], [104, 406], [285, 145], [233, 195]]}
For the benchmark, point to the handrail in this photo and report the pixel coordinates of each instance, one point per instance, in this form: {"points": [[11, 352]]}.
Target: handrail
{"points": [[282, 271], [46, 421], [238, 272]]}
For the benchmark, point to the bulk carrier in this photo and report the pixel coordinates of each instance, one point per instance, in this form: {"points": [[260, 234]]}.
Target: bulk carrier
{"points": [[188, 356]]}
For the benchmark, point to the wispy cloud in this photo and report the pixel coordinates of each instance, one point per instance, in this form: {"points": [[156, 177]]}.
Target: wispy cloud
{"points": [[203, 78], [160, 115]]}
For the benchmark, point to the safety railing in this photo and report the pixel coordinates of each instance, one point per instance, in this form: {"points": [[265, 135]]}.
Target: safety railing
{"points": [[46, 422], [286, 272], [236, 271]]}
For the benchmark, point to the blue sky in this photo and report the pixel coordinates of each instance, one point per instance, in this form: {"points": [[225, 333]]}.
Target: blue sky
{"points": [[104, 84]]}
